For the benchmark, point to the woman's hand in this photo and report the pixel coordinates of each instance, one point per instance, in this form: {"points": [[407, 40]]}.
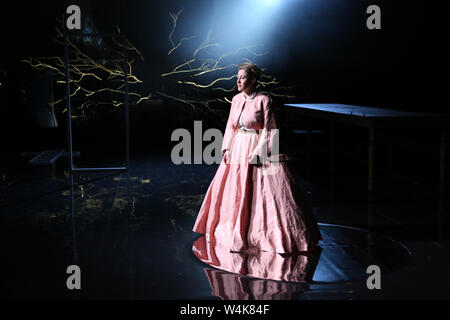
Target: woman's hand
{"points": [[253, 159], [226, 156]]}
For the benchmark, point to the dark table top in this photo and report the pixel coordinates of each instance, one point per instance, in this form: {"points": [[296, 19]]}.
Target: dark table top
{"points": [[369, 116]]}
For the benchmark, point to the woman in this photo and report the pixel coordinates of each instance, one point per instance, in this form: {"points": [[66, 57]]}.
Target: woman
{"points": [[253, 203]]}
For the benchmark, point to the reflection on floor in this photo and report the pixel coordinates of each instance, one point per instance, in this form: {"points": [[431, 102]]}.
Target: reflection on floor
{"points": [[130, 233], [258, 264], [343, 255]]}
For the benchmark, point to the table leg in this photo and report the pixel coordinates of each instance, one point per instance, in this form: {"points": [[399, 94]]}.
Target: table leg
{"points": [[371, 158], [389, 157], [441, 219], [370, 223], [332, 153], [442, 159], [309, 149]]}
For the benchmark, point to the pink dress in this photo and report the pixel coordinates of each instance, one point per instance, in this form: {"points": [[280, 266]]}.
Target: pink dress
{"points": [[255, 206]]}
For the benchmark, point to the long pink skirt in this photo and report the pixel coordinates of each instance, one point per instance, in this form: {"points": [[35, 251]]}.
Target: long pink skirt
{"points": [[256, 207]]}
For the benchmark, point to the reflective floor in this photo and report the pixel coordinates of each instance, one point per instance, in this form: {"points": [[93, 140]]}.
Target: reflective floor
{"points": [[130, 234], [343, 255]]}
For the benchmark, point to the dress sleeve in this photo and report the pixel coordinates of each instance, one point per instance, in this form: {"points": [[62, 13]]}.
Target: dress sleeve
{"points": [[269, 131], [229, 131]]}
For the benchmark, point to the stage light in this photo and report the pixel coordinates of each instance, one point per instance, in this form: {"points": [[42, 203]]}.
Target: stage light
{"points": [[271, 2]]}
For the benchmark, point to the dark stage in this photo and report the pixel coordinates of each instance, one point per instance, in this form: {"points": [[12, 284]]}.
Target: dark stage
{"points": [[131, 234], [380, 196]]}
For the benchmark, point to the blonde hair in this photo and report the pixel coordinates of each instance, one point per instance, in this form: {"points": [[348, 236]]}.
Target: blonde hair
{"points": [[252, 69]]}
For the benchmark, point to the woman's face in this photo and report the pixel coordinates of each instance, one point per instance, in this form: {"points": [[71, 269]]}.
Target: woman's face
{"points": [[244, 81]]}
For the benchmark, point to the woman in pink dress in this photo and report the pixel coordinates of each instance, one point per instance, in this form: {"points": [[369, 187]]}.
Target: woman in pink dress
{"points": [[253, 201]]}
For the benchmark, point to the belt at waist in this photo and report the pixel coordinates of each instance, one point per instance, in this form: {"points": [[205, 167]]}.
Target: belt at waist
{"points": [[247, 131]]}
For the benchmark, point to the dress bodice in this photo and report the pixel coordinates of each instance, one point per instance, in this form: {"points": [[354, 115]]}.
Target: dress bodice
{"points": [[241, 124]]}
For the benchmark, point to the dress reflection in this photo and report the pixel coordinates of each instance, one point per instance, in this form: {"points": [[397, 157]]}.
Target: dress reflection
{"points": [[229, 286], [295, 267]]}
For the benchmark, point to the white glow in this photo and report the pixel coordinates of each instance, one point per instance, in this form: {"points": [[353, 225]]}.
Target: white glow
{"points": [[271, 2]]}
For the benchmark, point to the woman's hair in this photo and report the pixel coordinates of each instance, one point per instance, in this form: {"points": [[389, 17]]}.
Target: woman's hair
{"points": [[252, 69]]}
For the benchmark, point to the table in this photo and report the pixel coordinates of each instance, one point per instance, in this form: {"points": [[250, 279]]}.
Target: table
{"points": [[376, 118]]}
